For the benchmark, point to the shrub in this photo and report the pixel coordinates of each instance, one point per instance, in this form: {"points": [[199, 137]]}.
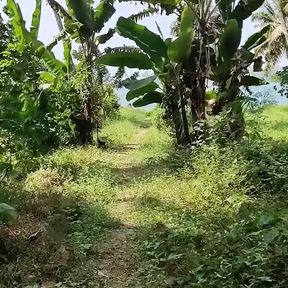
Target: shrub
{"points": [[43, 181]]}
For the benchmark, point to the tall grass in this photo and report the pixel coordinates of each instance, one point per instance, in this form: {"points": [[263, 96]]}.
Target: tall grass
{"points": [[119, 131]]}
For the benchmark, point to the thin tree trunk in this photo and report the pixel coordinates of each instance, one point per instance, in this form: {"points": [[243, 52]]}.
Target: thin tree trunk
{"points": [[177, 122], [185, 139], [198, 102]]}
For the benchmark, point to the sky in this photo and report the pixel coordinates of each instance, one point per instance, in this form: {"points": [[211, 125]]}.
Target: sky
{"points": [[49, 29]]}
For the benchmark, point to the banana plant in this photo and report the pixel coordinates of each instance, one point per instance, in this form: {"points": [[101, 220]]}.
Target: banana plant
{"points": [[230, 69], [24, 46], [164, 58], [83, 23], [191, 61], [30, 37], [217, 56]]}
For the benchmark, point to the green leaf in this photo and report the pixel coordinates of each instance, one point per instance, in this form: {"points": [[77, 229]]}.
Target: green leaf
{"points": [[128, 59], [36, 20], [102, 14], [149, 98], [18, 23], [187, 20], [256, 39], [49, 58], [211, 95], [71, 26], [244, 9], [270, 236], [7, 213], [159, 30], [252, 81], [137, 84], [67, 54], [266, 219], [47, 76], [230, 40], [83, 13], [180, 49], [141, 91], [102, 39], [45, 86], [58, 38], [147, 41]]}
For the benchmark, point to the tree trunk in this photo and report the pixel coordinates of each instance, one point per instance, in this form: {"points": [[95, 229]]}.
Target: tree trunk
{"points": [[89, 126], [185, 137], [198, 102], [88, 105], [176, 118], [235, 124], [83, 128]]}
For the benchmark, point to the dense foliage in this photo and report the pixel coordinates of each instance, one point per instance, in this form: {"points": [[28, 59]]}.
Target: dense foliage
{"points": [[206, 52], [189, 193]]}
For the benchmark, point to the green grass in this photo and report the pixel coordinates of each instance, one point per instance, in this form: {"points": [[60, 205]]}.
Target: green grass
{"points": [[276, 122], [118, 132], [147, 215]]}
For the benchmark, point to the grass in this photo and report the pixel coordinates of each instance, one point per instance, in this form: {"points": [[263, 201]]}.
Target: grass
{"points": [[147, 215], [275, 122], [119, 132]]}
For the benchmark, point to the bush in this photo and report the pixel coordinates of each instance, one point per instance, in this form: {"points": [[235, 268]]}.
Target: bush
{"points": [[43, 181], [156, 117]]}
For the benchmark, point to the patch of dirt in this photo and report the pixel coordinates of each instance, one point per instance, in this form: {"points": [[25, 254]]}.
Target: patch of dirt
{"points": [[118, 258], [28, 255]]}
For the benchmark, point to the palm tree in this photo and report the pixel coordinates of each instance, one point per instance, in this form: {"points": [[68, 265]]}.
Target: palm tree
{"points": [[274, 15]]}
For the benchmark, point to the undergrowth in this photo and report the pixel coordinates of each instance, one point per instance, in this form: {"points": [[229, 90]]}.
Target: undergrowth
{"points": [[211, 217]]}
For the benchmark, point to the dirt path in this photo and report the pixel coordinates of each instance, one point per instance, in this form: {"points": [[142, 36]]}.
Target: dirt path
{"points": [[118, 256]]}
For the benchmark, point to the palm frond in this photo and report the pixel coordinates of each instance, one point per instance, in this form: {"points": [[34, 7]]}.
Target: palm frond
{"points": [[143, 14], [122, 49], [276, 45]]}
